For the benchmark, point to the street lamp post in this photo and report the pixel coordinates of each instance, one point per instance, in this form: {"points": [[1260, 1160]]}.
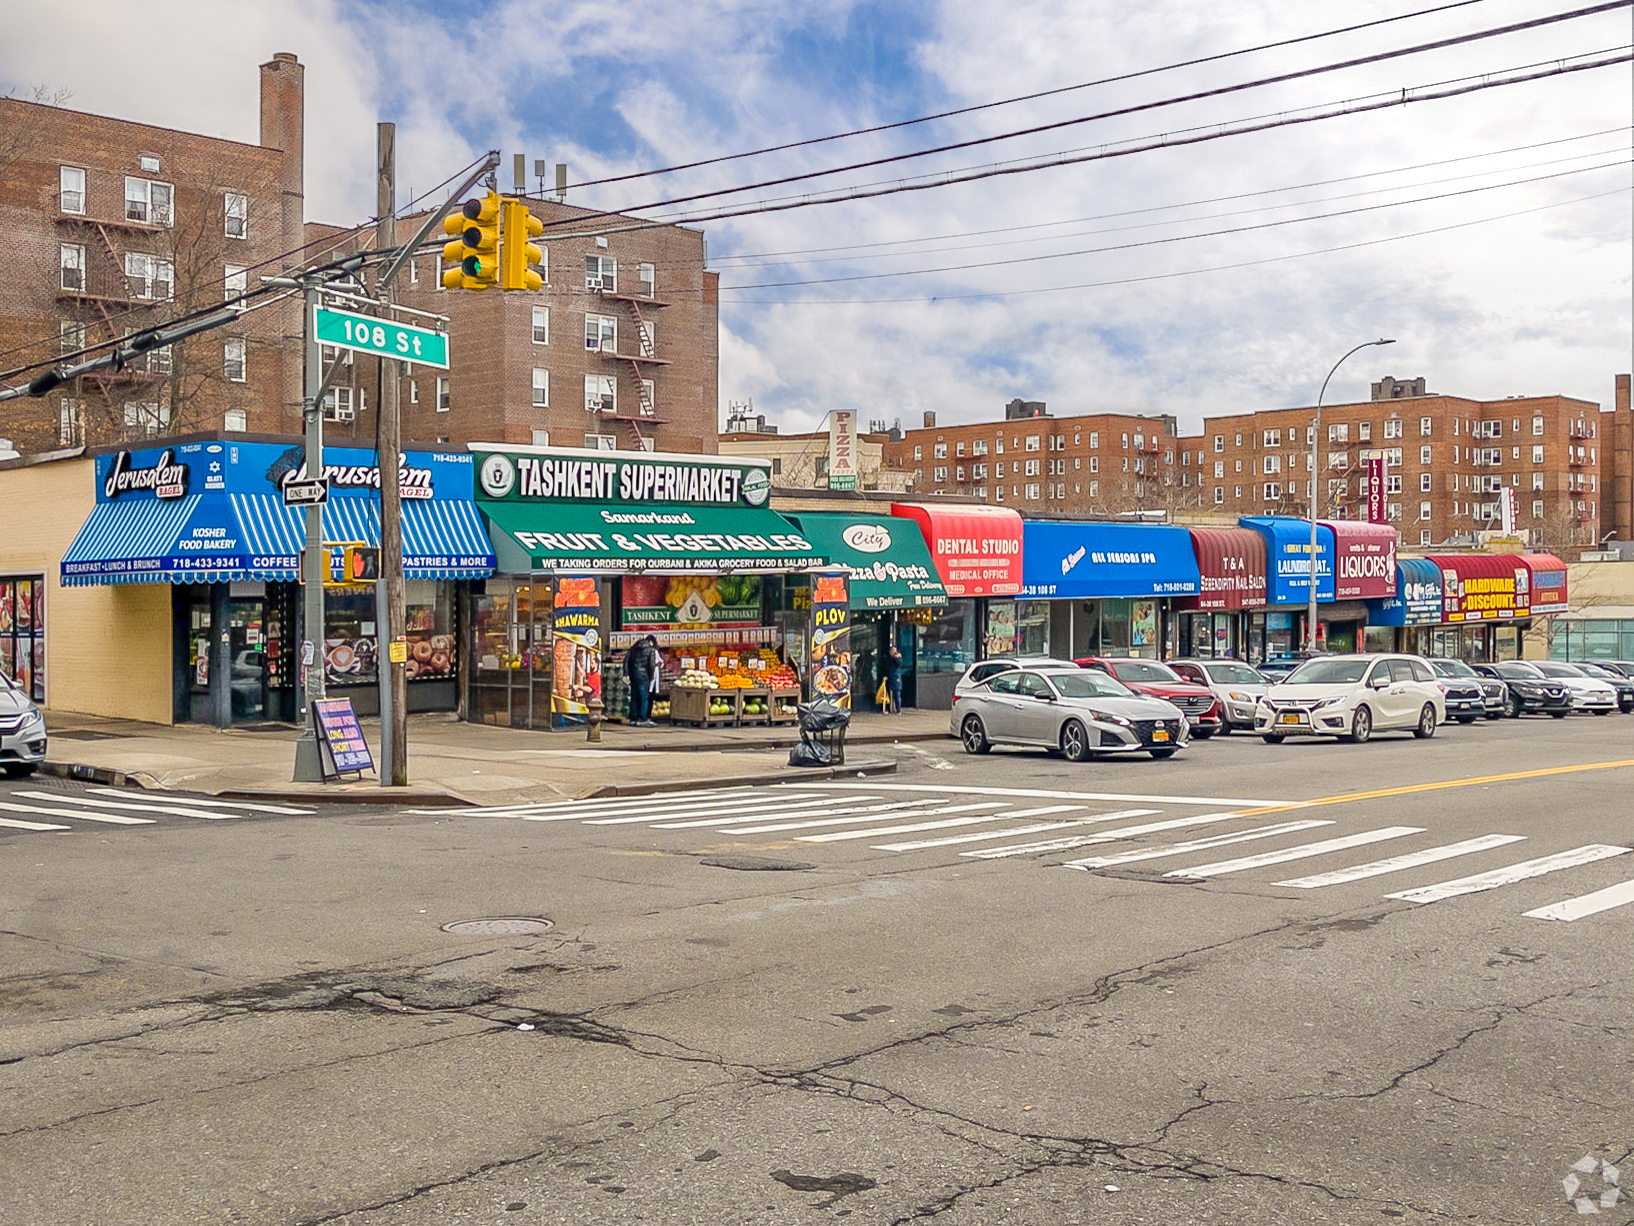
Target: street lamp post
{"points": [[1316, 433]]}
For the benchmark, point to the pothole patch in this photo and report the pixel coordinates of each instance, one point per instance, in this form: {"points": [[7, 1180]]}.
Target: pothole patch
{"points": [[499, 926], [756, 864]]}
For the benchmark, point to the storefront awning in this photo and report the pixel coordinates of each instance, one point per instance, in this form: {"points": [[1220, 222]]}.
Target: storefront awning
{"points": [[1417, 600], [977, 549], [1230, 567], [1484, 587], [192, 539], [889, 565], [583, 538], [443, 538], [1288, 550], [1094, 560], [1366, 556], [1548, 582]]}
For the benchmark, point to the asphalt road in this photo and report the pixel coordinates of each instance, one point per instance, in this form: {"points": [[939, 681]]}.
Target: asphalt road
{"points": [[885, 1000]]}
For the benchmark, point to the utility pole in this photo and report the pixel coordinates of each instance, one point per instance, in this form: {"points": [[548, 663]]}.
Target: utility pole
{"points": [[389, 611], [308, 759]]}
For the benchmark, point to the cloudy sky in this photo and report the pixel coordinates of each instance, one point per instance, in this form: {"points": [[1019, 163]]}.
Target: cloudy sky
{"points": [[1244, 266]]}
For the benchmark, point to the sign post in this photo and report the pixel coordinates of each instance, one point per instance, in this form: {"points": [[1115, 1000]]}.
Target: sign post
{"points": [[382, 337]]}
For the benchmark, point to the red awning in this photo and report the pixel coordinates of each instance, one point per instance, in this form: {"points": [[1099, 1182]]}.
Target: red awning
{"points": [[1484, 587], [1232, 563], [977, 549], [1366, 563], [1548, 582]]}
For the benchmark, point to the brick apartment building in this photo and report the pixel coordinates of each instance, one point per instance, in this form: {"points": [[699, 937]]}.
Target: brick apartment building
{"points": [[126, 225], [1448, 459]]}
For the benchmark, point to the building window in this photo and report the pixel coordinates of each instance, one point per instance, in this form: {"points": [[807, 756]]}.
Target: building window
{"points": [[1032, 468], [918, 452], [1392, 428], [1273, 464], [442, 394], [939, 451], [1219, 469], [71, 189], [600, 394], [1339, 432], [337, 405], [70, 423], [959, 448], [235, 421], [1032, 442], [146, 417], [1537, 427], [1272, 438], [979, 447], [1077, 463], [998, 469], [1392, 483], [1424, 426], [1273, 491], [1424, 454], [146, 200], [1537, 508], [541, 325], [600, 333], [978, 472], [414, 272], [149, 277], [235, 211], [998, 494], [1032, 491], [646, 337], [1364, 431], [541, 388], [1424, 510], [939, 474], [1537, 453], [601, 442], [233, 359], [1537, 481], [1236, 491], [601, 273], [647, 275], [414, 391], [1239, 466], [1094, 439], [649, 397], [72, 262], [72, 335], [1219, 494], [235, 283]]}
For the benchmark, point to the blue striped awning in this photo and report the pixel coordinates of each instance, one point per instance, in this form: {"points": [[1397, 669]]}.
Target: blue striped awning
{"points": [[184, 540], [442, 538]]}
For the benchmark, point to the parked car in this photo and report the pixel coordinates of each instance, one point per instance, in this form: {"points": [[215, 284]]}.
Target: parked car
{"points": [[1529, 690], [1081, 712], [1237, 687], [22, 731], [1626, 667], [1587, 693], [1351, 697], [1618, 681], [1463, 687], [983, 671], [1202, 709]]}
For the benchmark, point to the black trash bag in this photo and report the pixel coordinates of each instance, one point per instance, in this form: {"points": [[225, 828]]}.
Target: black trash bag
{"points": [[823, 715], [808, 754]]}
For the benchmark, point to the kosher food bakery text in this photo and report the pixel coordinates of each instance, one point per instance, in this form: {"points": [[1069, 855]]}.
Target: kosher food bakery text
{"points": [[548, 477]]}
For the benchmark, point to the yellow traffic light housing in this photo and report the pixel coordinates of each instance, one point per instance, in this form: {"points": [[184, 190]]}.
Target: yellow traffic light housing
{"points": [[472, 260], [518, 255]]}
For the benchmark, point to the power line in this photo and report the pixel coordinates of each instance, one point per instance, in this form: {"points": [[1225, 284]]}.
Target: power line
{"points": [[1195, 96], [1185, 272], [1046, 93]]}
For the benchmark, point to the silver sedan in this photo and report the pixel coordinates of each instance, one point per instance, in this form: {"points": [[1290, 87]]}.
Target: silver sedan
{"points": [[1078, 711]]}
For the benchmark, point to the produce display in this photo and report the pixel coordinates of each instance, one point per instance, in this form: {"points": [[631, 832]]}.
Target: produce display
{"points": [[696, 679]]}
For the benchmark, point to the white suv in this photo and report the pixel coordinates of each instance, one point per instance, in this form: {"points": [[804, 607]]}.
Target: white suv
{"points": [[1351, 697]]}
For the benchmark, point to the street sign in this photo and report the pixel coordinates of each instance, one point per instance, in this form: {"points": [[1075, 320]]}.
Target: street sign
{"points": [[306, 493], [381, 336]]}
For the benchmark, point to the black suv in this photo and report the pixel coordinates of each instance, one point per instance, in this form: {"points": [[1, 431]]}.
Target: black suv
{"points": [[1529, 690]]}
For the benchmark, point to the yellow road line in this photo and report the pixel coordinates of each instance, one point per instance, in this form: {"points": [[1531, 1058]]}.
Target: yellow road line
{"points": [[1476, 781]]}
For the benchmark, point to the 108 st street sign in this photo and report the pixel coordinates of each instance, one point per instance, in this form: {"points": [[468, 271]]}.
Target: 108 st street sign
{"points": [[382, 337]]}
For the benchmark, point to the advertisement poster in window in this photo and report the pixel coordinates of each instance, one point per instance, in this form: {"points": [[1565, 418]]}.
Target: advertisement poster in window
{"points": [[697, 601], [1143, 628], [831, 638], [575, 646], [1000, 639]]}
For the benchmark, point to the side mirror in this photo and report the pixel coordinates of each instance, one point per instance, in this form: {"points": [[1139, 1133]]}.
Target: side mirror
{"points": [[1379, 683], [1045, 697]]}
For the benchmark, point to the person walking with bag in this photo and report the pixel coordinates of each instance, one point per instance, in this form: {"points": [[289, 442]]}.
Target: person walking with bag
{"points": [[641, 666], [893, 679]]}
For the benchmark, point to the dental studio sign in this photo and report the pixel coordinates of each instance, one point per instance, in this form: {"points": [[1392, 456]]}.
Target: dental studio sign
{"points": [[573, 477]]}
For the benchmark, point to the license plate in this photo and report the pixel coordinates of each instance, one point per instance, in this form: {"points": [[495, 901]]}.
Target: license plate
{"points": [[1160, 734], [1290, 718]]}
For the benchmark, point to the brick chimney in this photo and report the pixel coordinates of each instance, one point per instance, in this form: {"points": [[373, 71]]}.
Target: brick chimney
{"points": [[1617, 502], [930, 421], [282, 128]]}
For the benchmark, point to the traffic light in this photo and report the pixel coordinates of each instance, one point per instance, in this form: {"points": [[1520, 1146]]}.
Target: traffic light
{"points": [[518, 255], [472, 260]]}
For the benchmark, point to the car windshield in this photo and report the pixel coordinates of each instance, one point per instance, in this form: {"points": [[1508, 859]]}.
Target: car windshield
{"points": [[1143, 670], [1328, 672], [1516, 670], [1231, 673], [1596, 670], [1089, 683], [1453, 668], [1550, 668]]}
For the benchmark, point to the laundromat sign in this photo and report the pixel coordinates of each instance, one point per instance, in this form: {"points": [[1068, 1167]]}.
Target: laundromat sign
{"points": [[578, 476]]}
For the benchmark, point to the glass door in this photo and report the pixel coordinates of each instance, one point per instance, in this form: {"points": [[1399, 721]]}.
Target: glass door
{"points": [[247, 658]]}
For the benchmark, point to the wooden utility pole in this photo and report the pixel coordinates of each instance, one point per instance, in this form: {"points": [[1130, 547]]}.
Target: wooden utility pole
{"points": [[389, 613]]}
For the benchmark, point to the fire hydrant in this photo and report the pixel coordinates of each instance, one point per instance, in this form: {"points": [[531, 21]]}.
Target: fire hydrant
{"points": [[592, 723]]}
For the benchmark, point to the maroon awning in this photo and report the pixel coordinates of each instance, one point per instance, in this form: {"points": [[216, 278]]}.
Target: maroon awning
{"points": [[1366, 562], [1232, 564], [1484, 587]]}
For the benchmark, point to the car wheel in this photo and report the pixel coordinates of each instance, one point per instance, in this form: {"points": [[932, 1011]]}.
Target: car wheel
{"points": [[973, 735], [1361, 727], [1604, 711], [20, 770], [1162, 753], [1273, 738], [1512, 706], [1202, 734], [1427, 722], [1625, 707], [1226, 727], [1074, 741], [1559, 714], [1467, 719]]}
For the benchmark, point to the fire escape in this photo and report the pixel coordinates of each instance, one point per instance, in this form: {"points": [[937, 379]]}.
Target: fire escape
{"points": [[642, 361]]}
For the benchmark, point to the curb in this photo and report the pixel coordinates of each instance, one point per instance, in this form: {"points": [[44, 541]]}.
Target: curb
{"points": [[784, 776], [778, 742], [87, 774]]}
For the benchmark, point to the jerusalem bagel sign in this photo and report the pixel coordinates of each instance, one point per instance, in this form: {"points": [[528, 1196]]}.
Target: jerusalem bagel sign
{"points": [[1365, 568]]}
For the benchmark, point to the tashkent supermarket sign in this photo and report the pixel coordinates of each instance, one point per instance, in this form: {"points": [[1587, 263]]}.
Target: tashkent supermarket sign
{"points": [[571, 476]]}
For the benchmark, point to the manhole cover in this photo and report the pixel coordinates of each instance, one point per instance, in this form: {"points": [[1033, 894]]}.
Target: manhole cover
{"points": [[499, 926]]}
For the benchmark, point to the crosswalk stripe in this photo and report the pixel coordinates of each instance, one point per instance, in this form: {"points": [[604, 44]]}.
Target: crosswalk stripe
{"points": [[179, 809], [811, 823], [650, 812], [1049, 794], [979, 836], [895, 808], [212, 803], [1048, 846], [111, 819], [1587, 854], [609, 803], [12, 823], [836, 836], [1619, 895], [1394, 864], [1302, 852], [761, 811], [1177, 849]]}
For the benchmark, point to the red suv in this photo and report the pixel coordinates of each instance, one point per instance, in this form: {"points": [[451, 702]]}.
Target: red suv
{"points": [[1201, 707]]}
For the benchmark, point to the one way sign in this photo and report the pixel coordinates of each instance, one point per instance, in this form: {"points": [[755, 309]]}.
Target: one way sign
{"points": [[306, 493]]}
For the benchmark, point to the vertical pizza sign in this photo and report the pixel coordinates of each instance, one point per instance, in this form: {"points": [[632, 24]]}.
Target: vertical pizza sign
{"points": [[575, 670], [830, 654]]}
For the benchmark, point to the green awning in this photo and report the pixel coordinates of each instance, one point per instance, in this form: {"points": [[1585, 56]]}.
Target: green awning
{"points": [[889, 564], [618, 539]]}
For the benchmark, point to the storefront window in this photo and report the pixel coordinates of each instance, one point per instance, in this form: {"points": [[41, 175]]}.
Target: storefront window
{"points": [[349, 639], [428, 622], [1033, 627], [22, 633], [1000, 637], [511, 654], [351, 634], [947, 644], [1279, 635]]}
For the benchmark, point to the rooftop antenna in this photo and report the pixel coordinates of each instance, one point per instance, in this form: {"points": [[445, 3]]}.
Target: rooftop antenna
{"points": [[539, 165], [519, 172], [561, 180]]}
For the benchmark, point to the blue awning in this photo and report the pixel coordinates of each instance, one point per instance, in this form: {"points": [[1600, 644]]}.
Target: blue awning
{"points": [[1288, 558], [443, 538], [1417, 601], [1090, 560]]}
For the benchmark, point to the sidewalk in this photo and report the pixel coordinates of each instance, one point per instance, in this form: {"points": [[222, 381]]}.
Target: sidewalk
{"points": [[454, 762]]}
